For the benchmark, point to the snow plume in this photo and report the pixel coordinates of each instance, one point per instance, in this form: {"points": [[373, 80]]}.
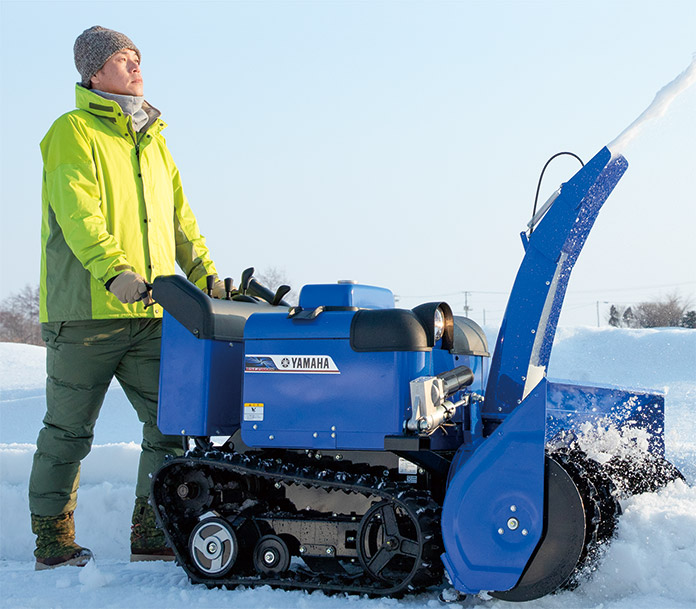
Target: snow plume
{"points": [[657, 108], [603, 440], [624, 454]]}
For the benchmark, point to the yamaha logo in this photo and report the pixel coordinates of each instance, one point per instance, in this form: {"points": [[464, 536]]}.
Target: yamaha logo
{"points": [[304, 364]]}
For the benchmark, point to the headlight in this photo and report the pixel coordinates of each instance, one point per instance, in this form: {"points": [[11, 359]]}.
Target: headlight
{"points": [[439, 324], [436, 319]]}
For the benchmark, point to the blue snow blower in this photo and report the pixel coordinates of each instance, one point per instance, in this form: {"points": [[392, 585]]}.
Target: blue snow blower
{"points": [[371, 449]]}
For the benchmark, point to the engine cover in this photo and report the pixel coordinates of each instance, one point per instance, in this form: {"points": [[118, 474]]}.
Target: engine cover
{"points": [[306, 387]]}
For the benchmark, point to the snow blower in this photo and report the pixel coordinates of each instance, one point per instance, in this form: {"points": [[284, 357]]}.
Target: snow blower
{"points": [[372, 450]]}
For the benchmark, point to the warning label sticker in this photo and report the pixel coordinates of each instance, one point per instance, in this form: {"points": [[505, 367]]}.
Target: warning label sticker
{"points": [[253, 412], [406, 467], [306, 364]]}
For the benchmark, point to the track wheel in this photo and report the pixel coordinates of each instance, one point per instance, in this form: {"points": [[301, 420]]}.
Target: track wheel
{"points": [[644, 475], [193, 490], [389, 544], [271, 555], [213, 547], [562, 544]]}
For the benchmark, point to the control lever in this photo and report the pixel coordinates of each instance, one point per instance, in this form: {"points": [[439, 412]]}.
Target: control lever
{"points": [[280, 292], [247, 275], [228, 288], [209, 283], [147, 296]]}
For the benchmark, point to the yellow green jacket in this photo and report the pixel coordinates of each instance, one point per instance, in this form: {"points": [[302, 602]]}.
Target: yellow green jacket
{"points": [[111, 201]]}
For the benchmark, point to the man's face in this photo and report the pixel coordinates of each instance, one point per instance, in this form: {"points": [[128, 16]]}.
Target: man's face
{"points": [[120, 74]]}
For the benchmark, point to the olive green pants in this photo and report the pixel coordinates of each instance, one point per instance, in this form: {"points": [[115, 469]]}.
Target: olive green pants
{"points": [[82, 357]]}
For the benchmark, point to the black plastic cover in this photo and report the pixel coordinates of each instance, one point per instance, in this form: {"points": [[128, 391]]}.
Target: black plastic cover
{"points": [[468, 338], [388, 330], [406, 443], [456, 379], [205, 317]]}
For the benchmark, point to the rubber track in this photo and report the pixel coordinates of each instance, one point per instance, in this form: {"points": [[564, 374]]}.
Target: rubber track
{"points": [[602, 509], [418, 504]]}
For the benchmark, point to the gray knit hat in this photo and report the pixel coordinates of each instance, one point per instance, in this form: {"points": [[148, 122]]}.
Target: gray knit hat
{"points": [[95, 46]]}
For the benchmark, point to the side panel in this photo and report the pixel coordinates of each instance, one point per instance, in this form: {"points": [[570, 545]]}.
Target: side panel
{"points": [[200, 383], [348, 401], [502, 480]]}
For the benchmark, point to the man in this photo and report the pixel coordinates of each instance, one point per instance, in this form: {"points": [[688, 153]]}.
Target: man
{"points": [[114, 217]]}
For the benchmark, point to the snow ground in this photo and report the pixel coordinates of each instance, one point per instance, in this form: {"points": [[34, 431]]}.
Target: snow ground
{"points": [[651, 564]]}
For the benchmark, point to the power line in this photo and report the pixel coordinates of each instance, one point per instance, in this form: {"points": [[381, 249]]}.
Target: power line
{"points": [[647, 287], [443, 295], [570, 292]]}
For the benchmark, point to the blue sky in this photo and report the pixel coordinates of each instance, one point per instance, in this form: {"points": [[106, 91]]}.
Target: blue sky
{"points": [[395, 143]]}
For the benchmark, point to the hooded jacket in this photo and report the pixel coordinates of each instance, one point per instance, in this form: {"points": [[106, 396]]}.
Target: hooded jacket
{"points": [[112, 200]]}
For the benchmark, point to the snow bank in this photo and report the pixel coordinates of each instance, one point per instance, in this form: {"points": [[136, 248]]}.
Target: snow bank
{"points": [[114, 462], [646, 358], [655, 552], [23, 370]]}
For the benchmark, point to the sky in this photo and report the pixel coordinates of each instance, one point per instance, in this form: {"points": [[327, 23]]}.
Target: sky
{"points": [[393, 143]]}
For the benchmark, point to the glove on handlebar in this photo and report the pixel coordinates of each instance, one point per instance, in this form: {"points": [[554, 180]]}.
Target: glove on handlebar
{"points": [[130, 287]]}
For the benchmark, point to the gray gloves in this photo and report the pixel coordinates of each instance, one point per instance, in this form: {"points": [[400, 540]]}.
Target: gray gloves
{"points": [[129, 287]]}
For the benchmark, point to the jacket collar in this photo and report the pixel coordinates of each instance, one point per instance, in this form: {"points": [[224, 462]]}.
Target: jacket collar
{"points": [[87, 100]]}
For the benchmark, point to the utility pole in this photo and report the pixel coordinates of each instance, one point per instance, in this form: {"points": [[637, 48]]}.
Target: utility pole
{"points": [[598, 302], [467, 308]]}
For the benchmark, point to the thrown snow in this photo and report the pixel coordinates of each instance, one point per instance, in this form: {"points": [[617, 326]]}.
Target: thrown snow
{"points": [[651, 564], [658, 107]]}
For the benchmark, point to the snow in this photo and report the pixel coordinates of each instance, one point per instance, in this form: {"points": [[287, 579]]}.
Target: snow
{"points": [[650, 564], [657, 108]]}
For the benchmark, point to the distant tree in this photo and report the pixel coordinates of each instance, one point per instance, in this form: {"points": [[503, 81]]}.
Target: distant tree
{"points": [[629, 319], [19, 317], [273, 278], [614, 317], [621, 317], [689, 320], [667, 312]]}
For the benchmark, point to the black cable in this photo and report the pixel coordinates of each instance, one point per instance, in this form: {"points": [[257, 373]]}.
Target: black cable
{"points": [[541, 177]]}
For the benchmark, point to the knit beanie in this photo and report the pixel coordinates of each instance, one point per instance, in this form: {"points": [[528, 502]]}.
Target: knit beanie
{"points": [[94, 47]]}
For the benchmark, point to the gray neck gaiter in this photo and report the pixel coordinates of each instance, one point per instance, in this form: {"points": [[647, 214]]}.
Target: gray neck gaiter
{"points": [[130, 104]]}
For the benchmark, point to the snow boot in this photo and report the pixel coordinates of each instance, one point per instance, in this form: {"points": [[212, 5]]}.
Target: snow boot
{"points": [[147, 541], [55, 542]]}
